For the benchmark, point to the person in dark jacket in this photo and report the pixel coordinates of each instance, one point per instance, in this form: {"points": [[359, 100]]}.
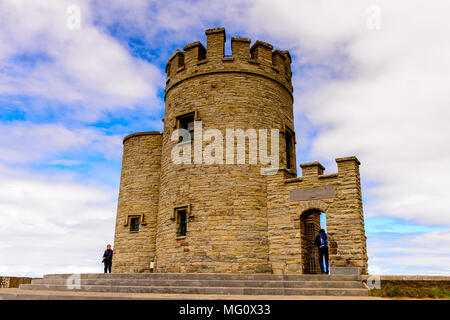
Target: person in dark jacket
{"points": [[107, 258], [322, 244]]}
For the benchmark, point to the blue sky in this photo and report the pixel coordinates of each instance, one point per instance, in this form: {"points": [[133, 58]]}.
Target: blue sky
{"points": [[68, 97]]}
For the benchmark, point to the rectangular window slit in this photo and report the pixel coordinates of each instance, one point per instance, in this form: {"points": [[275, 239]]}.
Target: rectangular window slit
{"points": [[134, 224], [289, 148], [181, 222], [186, 122]]}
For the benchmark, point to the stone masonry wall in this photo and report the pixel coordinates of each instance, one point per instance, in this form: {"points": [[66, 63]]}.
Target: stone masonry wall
{"points": [[138, 197], [343, 209], [13, 282], [239, 221], [227, 228]]}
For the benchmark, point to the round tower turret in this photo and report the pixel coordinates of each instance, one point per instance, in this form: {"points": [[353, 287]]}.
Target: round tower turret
{"points": [[134, 242], [212, 217]]}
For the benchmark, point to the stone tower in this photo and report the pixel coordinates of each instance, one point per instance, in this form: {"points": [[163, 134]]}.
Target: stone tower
{"points": [[222, 216]]}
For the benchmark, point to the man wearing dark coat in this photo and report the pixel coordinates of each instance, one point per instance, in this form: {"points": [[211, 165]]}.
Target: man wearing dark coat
{"points": [[322, 244], [107, 258]]}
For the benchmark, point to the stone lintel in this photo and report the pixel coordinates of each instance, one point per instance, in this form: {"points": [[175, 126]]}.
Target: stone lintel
{"points": [[193, 45], [351, 158], [259, 43], [312, 164], [178, 51], [215, 30], [240, 39], [137, 134], [312, 193]]}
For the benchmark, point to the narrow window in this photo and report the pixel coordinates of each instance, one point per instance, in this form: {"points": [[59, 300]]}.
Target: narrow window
{"points": [[181, 60], [289, 147], [201, 53], [187, 122], [134, 224], [181, 222]]}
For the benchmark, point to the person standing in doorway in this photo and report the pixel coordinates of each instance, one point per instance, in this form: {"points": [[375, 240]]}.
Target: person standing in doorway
{"points": [[322, 244], [107, 258]]}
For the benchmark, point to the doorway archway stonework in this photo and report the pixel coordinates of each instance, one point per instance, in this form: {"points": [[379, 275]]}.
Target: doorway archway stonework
{"points": [[338, 195]]}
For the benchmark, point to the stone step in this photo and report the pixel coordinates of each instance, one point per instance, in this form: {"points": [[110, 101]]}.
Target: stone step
{"points": [[205, 290], [19, 294], [201, 284], [208, 276], [345, 270], [30, 295], [206, 283]]}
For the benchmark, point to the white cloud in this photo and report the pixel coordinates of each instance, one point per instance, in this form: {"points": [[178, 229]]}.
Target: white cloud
{"points": [[26, 142], [411, 254], [86, 68], [49, 222], [53, 225], [379, 94], [174, 19]]}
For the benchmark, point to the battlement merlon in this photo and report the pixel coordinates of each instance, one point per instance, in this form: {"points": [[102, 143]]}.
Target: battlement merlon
{"points": [[215, 43], [259, 58], [312, 170], [348, 168]]}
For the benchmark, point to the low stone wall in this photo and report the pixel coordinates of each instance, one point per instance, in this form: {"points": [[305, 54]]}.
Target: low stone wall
{"points": [[13, 282], [418, 281]]}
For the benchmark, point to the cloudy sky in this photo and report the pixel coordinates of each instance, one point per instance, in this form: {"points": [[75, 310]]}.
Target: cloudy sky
{"points": [[371, 79]]}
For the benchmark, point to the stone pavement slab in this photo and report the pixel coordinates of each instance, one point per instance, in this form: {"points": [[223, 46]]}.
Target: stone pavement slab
{"points": [[19, 294]]}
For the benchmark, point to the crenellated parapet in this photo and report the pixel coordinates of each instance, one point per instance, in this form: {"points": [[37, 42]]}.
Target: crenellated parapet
{"points": [[259, 59], [226, 216], [293, 203]]}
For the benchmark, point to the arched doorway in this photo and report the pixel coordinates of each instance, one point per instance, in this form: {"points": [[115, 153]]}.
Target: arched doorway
{"points": [[311, 221]]}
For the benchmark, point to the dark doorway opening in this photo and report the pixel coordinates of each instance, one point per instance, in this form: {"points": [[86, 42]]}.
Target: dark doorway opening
{"points": [[311, 221]]}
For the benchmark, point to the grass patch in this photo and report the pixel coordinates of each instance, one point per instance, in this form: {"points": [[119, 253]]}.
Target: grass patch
{"points": [[390, 290]]}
